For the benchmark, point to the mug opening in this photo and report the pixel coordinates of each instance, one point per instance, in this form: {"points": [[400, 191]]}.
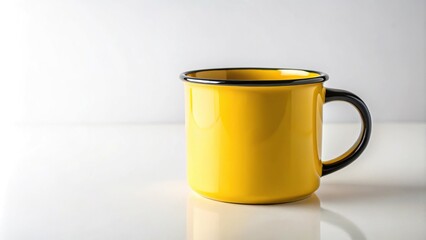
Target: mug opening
{"points": [[254, 76]]}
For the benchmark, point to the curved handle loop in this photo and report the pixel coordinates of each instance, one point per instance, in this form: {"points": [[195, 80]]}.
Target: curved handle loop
{"points": [[353, 153]]}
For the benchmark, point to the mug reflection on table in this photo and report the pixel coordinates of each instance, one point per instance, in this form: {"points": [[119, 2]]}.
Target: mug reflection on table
{"points": [[212, 220]]}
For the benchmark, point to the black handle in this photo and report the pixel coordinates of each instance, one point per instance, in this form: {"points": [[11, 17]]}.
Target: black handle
{"points": [[353, 153]]}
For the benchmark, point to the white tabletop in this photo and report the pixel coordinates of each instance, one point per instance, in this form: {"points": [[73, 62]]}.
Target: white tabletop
{"points": [[128, 182]]}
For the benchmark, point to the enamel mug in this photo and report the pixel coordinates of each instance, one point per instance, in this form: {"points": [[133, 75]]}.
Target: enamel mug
{"points": [[254, 134]]}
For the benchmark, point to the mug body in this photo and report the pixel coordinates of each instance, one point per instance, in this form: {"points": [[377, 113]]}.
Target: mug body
{"points": [[254, 144]]}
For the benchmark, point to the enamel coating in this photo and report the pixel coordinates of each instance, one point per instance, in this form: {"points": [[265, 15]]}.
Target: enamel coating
{"points": [[254, 145]]}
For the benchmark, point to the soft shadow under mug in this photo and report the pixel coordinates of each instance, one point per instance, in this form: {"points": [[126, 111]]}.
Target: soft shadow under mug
{"points": [[254, 134]]}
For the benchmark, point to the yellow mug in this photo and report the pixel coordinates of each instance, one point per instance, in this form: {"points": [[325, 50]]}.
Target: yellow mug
{"points": [[254, 134]]}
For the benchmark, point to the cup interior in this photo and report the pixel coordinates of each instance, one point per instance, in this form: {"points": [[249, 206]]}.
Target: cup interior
{"points": [[252, 74]]}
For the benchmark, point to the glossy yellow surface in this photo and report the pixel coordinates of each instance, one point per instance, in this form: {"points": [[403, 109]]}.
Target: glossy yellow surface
{"points": [[254, 144]]}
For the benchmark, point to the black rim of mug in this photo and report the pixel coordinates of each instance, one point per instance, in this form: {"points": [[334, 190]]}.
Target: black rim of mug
{"points": [[322, 77]]}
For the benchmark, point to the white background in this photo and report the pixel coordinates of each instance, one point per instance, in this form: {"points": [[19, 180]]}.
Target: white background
{"points": [[98, 61], [103, 63]]}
